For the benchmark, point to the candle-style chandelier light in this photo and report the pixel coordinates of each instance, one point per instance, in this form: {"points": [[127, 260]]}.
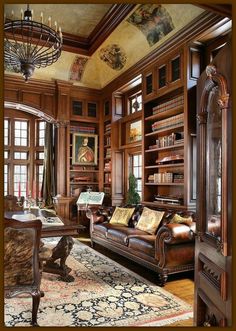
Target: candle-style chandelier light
{"points": [[29, 44]]}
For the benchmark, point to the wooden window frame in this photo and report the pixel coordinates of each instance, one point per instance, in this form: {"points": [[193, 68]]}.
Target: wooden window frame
{"points": [[33, 138]]}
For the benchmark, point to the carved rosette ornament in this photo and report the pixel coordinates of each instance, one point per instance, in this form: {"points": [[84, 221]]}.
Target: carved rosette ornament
{"points": [[210, 70], [220, 80], [202, 117], [62, 124]]}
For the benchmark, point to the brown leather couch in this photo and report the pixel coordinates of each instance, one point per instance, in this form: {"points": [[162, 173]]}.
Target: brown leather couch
{"points": [[169, 251]]}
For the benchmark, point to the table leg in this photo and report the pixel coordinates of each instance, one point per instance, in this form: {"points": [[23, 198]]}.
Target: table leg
{"points": [[60, 251]]}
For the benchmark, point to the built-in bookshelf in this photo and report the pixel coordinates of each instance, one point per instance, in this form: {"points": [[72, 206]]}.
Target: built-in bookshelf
{"points": [[166, 169], [83, 176], [107, 157]]}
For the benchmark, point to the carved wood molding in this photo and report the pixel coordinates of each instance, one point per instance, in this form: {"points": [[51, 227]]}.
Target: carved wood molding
{"points": [[62, 124], [217, 78], [214, 275], [202, 117], [30, 110], [87, 46], [213, 80]]}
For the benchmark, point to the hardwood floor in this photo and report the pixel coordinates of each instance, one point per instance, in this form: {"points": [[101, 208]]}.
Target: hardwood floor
{"points": [[180, 285]]}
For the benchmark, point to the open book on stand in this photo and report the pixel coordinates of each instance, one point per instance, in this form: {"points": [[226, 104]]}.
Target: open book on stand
{"points": [[90, 198]]}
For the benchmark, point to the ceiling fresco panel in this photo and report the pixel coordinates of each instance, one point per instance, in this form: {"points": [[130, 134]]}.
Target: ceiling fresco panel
{"points": [[144, 29]]}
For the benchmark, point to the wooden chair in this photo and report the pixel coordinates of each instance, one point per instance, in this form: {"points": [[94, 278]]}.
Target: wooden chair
{"points": [[21, 261]]}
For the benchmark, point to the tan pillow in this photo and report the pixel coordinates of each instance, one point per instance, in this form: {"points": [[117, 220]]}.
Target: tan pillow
{"points": [[181, 220], [149, 220], [122, 216]]}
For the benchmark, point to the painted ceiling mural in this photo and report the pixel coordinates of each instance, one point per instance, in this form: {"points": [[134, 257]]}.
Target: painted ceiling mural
{"points": [[114, 56], [153, 20], [77, 68], [142, 31]]}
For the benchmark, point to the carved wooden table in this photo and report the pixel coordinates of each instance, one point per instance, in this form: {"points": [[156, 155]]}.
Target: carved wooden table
{"points": [[61, 251]]}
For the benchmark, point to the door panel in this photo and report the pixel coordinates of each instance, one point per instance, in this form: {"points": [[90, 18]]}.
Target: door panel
{"points": [[213, 243]]}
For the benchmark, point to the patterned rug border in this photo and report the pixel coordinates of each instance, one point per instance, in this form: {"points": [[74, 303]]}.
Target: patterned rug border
{"points": [[174, 310], [146, 281]]}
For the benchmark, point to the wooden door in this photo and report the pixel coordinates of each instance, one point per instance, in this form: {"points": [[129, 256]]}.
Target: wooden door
{"points": [[213, 282]]}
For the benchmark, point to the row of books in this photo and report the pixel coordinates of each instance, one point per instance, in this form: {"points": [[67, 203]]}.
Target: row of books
{"points": [[83, 129], [107, 141], [178, 178], [81, 179], [173, 139], [173, 103], [107, 128], [108, 153], [168, 122], [166, 177]]}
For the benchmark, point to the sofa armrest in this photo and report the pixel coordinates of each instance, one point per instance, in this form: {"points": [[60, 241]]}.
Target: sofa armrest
{"points": [[95, 218], [172, 234]]}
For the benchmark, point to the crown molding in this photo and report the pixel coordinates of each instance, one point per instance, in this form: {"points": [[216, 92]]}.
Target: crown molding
{"points": [[87, 46]]}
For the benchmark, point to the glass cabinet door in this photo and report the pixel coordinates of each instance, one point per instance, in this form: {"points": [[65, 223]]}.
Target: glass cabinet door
{"points": [[213, 165]]}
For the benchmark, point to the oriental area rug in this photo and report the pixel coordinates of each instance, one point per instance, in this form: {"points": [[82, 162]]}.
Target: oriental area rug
{"points": [[104, 293]]}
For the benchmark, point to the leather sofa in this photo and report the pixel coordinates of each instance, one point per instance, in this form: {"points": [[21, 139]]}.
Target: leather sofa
{"points": [[169, 251]]}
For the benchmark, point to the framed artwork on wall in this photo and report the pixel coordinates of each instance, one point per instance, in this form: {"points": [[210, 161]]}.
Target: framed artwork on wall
{"points": [[84, 149], [135, 131]]}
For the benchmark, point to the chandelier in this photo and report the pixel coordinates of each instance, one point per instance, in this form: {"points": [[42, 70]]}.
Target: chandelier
{"points": [[29, 44]]}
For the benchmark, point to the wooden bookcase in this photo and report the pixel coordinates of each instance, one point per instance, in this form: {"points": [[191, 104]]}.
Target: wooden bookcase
{"points": [[84, 120], [169, 133], [107, 153]]}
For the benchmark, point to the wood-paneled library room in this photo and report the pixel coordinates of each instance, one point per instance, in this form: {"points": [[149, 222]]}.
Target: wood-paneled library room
{"points": [[117, 165]]}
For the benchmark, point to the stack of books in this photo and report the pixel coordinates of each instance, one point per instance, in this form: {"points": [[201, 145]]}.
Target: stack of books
{"points": [[108, 128], [173, 103], [178, 177], [108, 153], [163, 177], [82, 179], [151, 179], [168, 122], [170, 159], [108, 141], [169, 199]]}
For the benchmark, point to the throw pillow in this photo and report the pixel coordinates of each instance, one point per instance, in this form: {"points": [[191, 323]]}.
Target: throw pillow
{"points": [[181, 220], [149, 220], [122, 216]]}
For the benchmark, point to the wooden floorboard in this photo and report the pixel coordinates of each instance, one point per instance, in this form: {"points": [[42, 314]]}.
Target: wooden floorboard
{"points": [[181, 285]]}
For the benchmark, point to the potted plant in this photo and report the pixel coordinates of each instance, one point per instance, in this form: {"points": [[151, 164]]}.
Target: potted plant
{"points": [[133, 197]]}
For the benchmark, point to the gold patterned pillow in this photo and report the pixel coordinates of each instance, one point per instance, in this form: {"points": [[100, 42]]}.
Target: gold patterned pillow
{"points": [[181, 220], [149, 220], [122, 216]]}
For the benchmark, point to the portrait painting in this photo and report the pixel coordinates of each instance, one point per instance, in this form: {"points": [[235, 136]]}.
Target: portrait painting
{"points": [[153, 20], [84, 149]]}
